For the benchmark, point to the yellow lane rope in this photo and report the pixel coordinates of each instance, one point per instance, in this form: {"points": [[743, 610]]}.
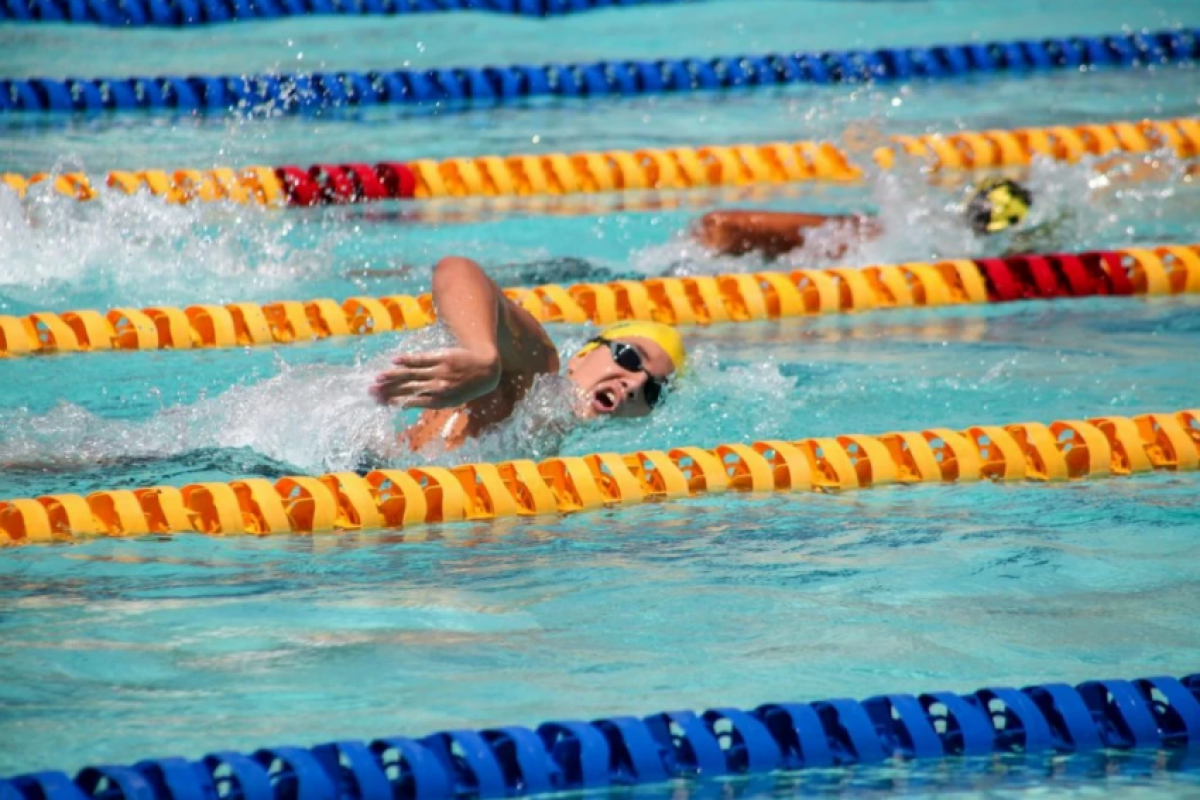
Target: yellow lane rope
{"points": [[344, 501], [623, 170], [739, 297]]}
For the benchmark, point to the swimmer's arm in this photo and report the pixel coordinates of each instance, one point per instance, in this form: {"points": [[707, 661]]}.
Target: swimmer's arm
{"points": [[771, 233], [496, 340], [1045, 237]]}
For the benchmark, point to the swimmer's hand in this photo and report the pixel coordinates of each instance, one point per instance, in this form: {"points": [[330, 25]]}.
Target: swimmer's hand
{"points": [[439, 378]]}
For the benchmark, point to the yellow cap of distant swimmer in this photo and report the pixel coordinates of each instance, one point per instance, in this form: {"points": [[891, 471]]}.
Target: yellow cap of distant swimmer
{"points": [[664, 336], [998, 204]]}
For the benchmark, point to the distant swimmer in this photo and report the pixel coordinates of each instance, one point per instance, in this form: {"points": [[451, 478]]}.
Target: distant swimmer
{"points": [[996, 204], [501, 349]]}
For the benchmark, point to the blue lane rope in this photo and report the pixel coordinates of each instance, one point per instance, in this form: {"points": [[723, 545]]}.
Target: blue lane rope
{"points": [[1161, 713], [500, 85], [180, 13]]}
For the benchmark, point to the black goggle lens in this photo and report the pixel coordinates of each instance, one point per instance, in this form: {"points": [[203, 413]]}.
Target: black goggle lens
{"points": [[626, 356], [653, 392]]}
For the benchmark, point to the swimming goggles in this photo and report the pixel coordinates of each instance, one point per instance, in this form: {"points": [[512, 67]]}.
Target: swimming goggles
{"points": [[628, 358]]}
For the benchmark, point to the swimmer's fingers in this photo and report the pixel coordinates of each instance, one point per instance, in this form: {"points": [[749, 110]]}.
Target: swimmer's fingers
{"points": [[428, 400], [429, 395], [439, 378], [421, 367], [387, 391], [416, 393], [402, 375], [426, 360], [395, 384]]}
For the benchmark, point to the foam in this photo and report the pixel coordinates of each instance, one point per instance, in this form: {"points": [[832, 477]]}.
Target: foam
{"points": [[1078, 206], [321, 418], [55, 250]]}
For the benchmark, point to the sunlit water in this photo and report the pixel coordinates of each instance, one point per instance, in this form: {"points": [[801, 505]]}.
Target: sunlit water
{"points": [[116, 650]]}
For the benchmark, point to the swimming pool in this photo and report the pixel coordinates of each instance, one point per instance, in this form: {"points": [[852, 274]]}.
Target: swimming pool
{"points": [[119, 649]]}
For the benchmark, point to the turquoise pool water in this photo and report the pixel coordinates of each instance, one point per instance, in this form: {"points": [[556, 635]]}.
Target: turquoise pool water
{"points": [[115, 650]]}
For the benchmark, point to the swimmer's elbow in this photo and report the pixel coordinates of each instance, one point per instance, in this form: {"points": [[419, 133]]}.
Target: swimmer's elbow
{"points": [[456, 278], [453, 271]]}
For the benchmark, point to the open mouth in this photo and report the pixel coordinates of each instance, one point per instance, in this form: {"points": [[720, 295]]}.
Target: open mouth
{"points": [[604, 401]]}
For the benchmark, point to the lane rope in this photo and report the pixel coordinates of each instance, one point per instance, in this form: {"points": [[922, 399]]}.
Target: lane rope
{"points": [[1159, 713], [702, 300], [497, 85], [623, 170], [392, 498], [182, 13]]}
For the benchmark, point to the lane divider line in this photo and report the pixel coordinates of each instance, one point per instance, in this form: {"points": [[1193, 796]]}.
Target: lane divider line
{"points": [[1159, 713], [465, 87], [185, 13], [737, 297], [621, 170], [392, 498]]}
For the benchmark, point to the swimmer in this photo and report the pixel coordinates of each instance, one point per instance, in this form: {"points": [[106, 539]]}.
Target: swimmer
{"points": [[501, 349], [997, 204]]}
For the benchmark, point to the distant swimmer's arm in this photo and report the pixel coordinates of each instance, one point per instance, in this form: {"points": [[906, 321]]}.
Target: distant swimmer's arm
{"points": [[771, 233], [1048, 236], [496, 340]]}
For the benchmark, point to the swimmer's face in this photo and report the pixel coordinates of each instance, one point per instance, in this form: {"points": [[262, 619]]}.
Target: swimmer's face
{"points": [[609, 389]]}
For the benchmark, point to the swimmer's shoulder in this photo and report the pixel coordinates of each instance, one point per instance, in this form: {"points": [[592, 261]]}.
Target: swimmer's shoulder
{"points": [[452, 427]]}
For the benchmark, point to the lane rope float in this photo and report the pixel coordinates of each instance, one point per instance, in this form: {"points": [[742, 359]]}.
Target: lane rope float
{"points": [[623, 170], [1158, 713], [451, 87], [702, 300], [393, 498], [182, 13]]}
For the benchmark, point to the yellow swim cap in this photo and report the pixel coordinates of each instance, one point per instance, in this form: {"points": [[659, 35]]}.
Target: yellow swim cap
{"points": [[998, 203], [664, 336]]}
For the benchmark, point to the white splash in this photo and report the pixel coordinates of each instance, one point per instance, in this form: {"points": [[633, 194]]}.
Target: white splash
{"points": [[54, 249], [321, 418], [1094, 203]]}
